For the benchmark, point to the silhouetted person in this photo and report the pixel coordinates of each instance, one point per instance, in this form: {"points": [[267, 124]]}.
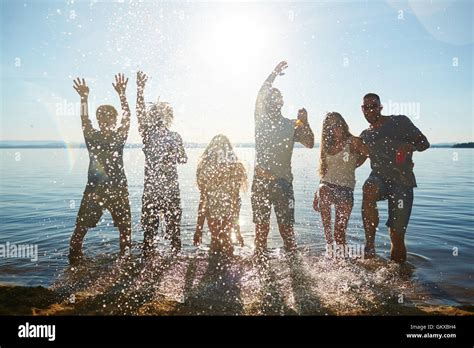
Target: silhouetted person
{"points": [[163, 150], [391, 141], [275, 137], [220, 177], [106, 184]]}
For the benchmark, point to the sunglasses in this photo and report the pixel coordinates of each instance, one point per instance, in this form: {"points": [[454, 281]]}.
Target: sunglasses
{"points": [[370, 106]]}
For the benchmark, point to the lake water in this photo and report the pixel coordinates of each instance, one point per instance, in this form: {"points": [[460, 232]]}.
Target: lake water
{"points": [[41, 191]]}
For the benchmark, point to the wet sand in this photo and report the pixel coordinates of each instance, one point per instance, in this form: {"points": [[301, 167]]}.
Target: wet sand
{"points": [[19, 300], [200, 285]]}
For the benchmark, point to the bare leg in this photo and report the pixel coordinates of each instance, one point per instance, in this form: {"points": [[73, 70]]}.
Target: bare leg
{"points": [[398, 251], [125, 240], [261, 235], [220, 236], [224, 237], [240, 238], [201, 218], [148, 237], [343, 212], [213, 226], [173, 229], [236, 226], [75, 246], [288, 234], [370, 216], [325, 209]]}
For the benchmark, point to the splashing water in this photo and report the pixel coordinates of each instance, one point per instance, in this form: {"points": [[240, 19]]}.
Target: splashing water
{"points": [[199, 284]]}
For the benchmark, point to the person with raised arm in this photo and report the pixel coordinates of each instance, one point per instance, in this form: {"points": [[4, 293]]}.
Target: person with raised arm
{"points": [[275, 137], [107, 186], [164, 150]]}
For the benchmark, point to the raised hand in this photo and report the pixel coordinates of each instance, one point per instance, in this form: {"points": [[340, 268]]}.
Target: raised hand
{"points": [[120, 84], [280, 67], [303, 116], [142, 78], [81, 88]]}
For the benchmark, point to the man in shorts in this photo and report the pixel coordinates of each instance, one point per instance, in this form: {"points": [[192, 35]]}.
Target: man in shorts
{"points": [[106, 184], [275, 137], [391, 141]]}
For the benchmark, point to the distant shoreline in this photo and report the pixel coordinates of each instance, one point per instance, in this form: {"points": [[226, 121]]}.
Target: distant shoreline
{"points": [[63, 145]]}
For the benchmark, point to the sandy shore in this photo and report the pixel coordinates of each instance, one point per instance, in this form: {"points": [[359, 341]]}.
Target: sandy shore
{"points": [[20, 300]]}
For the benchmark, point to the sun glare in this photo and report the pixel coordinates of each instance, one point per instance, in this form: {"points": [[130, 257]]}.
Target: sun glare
{"points": [[233, 41]]}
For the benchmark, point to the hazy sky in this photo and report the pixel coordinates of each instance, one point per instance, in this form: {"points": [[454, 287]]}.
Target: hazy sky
{"points": [[209, 59]]}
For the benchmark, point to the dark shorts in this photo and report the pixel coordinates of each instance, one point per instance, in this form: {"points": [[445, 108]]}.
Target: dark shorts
{"points": [[279, 193], [94, 202], [340, 194], [400, 201], [153, 207]]}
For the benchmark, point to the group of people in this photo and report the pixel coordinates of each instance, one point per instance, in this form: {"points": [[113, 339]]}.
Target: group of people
{"points": [[389, 142]]}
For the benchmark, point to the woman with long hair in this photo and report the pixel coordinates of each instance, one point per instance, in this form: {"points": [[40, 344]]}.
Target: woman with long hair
{"points": [[340, 154], [220, 177]]}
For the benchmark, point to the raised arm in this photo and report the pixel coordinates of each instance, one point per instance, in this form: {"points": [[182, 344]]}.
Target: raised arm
{"points": [[83, 90], [303, 133], [120, 86], [141, 109], [267, 85]]}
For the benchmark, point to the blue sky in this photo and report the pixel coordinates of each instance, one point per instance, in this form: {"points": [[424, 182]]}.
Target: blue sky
{"points": [[208, 59]]}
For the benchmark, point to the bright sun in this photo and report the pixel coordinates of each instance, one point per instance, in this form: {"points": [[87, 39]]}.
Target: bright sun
{"points": [[232, 42]]}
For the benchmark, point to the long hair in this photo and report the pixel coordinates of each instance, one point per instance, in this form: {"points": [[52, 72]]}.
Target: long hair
{"points": [[332, 121], [219, 163]]}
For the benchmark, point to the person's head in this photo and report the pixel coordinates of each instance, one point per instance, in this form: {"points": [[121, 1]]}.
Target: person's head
{"points": [[372, 107], [218, 156], [274, 101], [335, 130], [159, 115], [106, 118], [219, 151]]}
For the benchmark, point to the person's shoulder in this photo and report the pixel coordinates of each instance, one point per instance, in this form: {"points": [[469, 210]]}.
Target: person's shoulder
{"points": [[287, 120], [176, 136], [116, 135], [399, 118], [364, 133], [353, 139], [173, 134], [402, 121]]}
